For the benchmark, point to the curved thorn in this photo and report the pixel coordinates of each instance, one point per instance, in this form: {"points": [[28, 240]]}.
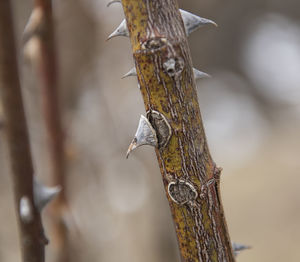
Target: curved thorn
{"points": [[120, 31], [113, 2], [237, 248], [199, 74], [193, 22], [132, 72], [42, 195], [145, 135]]}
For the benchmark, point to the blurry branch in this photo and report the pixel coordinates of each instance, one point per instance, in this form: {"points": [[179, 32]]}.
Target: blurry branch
{"points": [[29, 219], [1, 117], [1, 123], [39, 31], [173, 125]]}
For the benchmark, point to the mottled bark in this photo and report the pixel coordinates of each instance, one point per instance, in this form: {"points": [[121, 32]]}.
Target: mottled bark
{"points": [[190, 177], [29, 220]]}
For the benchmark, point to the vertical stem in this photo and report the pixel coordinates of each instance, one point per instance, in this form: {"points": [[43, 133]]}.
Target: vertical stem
{"points": [[29, 220], [190, 176], [47, 68]]}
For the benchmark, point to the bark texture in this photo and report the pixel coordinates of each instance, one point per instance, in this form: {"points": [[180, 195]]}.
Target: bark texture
{"points": [[190, 176], [29, 220]]}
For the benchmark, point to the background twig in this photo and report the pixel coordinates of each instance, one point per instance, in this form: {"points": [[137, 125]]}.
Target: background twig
{"points": [[31, 230], [41, 27]]}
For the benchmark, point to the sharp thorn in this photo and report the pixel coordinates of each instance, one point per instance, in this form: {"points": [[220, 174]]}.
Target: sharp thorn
{"points": [[132, 72], [43, 195], [132, 146], [199, 74], [113, 2], [193, 22], [145, 135], [120, 31], [237, 248]]}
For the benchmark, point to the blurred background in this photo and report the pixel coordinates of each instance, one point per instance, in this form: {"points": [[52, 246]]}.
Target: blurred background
{"points": [[251, 113]]}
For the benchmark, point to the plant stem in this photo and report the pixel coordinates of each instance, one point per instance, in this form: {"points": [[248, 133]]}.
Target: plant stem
{"points": [[190, 177], [47, 68], [29, 220]]}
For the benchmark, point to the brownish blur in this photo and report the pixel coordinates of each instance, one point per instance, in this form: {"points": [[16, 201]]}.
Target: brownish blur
{"points": [[251, 112]]}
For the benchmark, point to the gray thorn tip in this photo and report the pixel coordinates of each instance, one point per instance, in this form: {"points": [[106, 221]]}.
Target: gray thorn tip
{"points": [[199, 74], [132, 72], [120, 31], [43, 195], [145, 135], [193, 22], [237, 248]]}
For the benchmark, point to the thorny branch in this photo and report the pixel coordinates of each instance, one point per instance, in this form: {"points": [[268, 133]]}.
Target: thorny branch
{"points": [[173, 124], [40, 28], [28, 214]]}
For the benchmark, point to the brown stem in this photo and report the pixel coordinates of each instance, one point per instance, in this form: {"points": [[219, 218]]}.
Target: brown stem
{"points": [[29, 220], [191, 179], [47, 68], [48, 77]]}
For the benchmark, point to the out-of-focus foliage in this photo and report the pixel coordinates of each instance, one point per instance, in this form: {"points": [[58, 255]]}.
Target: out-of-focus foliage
{"points": [[251, 112]]}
